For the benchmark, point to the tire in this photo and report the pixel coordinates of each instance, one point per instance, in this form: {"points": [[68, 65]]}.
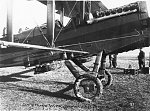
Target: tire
{"points": [[87, 87]]}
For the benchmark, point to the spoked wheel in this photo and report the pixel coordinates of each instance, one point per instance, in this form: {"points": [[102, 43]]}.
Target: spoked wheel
{"points": [[107, 79], [87, 87]]}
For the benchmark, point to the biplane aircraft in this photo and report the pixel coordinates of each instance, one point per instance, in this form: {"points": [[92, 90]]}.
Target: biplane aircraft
{"points": [[92, 30]]}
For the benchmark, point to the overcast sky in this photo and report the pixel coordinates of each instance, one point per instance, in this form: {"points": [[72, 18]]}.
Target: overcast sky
{"points": [[32, 13]]}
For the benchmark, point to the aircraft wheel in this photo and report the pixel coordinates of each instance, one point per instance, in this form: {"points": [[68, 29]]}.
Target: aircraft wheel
{"points": [[87, 87], [107, 79]]}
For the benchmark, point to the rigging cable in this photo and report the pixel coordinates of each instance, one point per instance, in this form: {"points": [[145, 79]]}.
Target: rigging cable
{"points": [[68, 16], [28, 35], [48, 44]]}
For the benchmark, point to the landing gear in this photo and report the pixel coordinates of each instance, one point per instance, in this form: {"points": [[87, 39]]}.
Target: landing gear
{"points": [[106, 79], [103, 74], [90, 84], [86, 87]]}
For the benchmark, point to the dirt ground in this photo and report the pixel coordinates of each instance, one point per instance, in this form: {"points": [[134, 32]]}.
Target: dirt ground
{"points": [[21, 89]]}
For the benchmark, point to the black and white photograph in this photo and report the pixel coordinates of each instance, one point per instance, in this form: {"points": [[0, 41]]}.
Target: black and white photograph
{"points": [[74, 55]]}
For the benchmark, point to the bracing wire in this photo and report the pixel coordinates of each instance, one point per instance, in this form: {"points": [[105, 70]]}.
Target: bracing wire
{"points": [[28, 35], [43, 35], [68, 16], [48, 44]]}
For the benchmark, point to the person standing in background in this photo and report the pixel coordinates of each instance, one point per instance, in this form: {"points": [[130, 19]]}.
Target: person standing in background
{"points": [[110, 61], [141, 59], [114, 60]]}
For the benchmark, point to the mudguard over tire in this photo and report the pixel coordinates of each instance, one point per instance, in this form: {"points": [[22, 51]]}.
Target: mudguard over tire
{"points": [[87, 87]]}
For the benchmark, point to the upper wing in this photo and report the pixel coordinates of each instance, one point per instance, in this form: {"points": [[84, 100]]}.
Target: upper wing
{"points": [[21, 45], [74, 6]]}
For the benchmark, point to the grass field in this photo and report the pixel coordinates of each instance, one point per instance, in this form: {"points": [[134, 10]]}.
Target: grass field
{"points": [[20, 89]]}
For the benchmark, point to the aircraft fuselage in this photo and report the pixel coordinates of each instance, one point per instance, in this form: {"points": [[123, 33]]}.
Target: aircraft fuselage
{"points": [[114, 35]]}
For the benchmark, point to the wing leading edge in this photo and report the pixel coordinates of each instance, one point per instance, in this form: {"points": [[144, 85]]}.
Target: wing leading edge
{"points": [[28, 46]]}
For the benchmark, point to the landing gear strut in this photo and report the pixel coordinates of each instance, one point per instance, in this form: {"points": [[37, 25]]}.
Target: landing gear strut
{"points": [[103, 74], [90, 84]]}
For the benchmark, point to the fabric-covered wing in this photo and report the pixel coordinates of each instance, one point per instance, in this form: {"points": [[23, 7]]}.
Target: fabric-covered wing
{"points": [[75, 5], [12, 44]]}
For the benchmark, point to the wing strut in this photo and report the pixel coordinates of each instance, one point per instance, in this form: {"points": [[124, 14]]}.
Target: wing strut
{"points": [[82, 11], [50, 21], [62, 15], [9, 20]]}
